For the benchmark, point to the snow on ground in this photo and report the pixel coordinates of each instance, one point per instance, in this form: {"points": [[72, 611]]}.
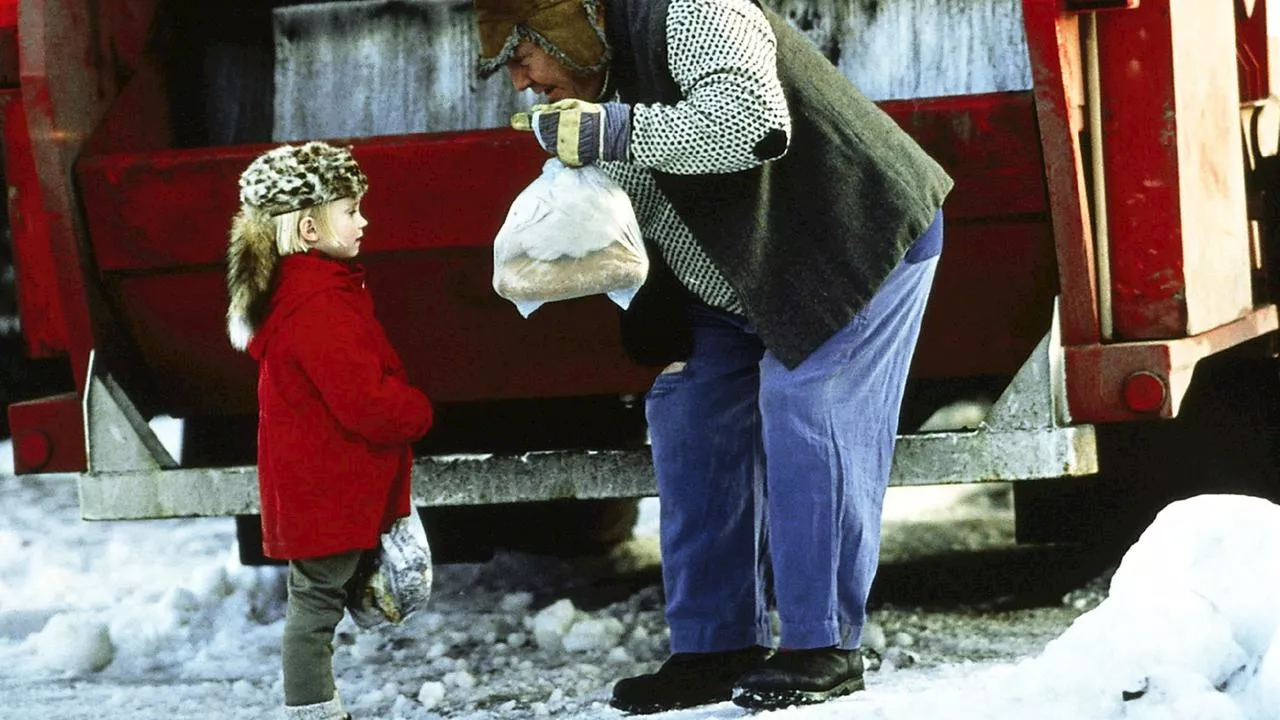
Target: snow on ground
{"points": [[157, 620]]}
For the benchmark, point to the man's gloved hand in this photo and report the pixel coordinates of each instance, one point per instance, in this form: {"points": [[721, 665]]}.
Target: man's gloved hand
{"points": [[578, 132]]}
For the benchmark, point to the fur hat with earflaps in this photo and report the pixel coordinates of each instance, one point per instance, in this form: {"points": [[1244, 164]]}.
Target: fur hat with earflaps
{"points": [[571, 31], [283, 180]]}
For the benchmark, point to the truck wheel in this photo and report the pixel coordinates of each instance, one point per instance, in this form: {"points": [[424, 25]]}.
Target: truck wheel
{"points": [[1226, 439]]}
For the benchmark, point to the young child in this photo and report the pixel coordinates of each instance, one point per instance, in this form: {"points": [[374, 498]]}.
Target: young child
{"points": [[336, 414]]}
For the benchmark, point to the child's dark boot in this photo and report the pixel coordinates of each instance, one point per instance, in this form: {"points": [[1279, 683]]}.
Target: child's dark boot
{"points": [[800, 677], [686, 680]]}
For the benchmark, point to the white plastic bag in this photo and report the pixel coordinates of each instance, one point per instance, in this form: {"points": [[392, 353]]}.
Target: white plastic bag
{"points": [[572, 232], [399, 583]]}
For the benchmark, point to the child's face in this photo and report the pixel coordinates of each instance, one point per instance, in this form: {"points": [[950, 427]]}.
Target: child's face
{"points": [[346, 226]]}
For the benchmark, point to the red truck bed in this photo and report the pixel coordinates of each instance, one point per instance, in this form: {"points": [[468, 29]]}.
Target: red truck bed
{"points": [[158, 220]]}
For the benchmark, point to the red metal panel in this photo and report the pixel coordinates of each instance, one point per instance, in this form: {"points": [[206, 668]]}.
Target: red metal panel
{"points": [[177, 325], [992, 298], [1253, 50], [459, 340], [39, 298], [48, 434], [74, 58], [1097, 5], [437, 200], [172, 208], [169, 208], [1175, 177], [462, 342], [993, 295], [990, 145], [9, 43], [1053, 42], [139, 117], [1096, 374], [1140, 128]]}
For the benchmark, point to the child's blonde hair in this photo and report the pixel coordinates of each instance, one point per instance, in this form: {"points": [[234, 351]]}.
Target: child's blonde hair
{"points": [[289, 238]]}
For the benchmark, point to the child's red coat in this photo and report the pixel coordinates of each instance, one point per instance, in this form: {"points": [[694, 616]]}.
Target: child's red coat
{"points": [[336, 414]]}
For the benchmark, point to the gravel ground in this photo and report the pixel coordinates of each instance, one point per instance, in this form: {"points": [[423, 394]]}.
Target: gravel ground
{"points": [[955, 590], [520, 636], [954, 587]]}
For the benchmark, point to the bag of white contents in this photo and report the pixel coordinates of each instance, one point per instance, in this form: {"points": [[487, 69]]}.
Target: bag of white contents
{"points": [[571, 233], [396, 579]]}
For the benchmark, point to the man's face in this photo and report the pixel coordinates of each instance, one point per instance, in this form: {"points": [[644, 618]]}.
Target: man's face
{"points": [[532, 68]]}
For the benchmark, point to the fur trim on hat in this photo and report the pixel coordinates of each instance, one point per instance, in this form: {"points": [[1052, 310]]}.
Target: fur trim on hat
{"points": [[292, 177], [571, 31], [251, 263], [283, 180]]}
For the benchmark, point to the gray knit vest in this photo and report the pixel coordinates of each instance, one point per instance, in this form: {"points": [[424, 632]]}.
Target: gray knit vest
{"points": [[807, 239]]}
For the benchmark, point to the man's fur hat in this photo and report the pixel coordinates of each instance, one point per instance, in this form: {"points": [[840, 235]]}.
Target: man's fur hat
{"points": [[571, 31], [282, 180]]}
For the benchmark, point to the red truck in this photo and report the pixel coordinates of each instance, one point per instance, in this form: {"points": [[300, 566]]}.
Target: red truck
{"points": [[1108, 277]]}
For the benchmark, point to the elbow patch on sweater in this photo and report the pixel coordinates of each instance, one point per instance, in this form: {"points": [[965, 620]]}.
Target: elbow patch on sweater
{"points": [[772, 145]]}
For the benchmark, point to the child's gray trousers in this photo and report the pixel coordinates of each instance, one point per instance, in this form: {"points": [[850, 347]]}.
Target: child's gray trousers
{"points": [[317, 600]]}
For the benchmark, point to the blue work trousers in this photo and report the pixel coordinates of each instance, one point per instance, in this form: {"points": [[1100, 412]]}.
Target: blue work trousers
{"points": [[771, 481]]}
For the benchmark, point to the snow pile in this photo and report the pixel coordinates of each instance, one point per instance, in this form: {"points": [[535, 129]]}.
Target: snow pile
{"points": [[199, 627], [964, 414], [1190, 620], [73, 645], [1188, 632]]}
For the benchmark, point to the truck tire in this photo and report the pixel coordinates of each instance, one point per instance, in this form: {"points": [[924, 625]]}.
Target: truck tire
{"points": [[1226, 439]]}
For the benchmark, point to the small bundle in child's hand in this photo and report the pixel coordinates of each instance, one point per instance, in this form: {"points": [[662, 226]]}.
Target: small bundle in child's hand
{"points": [[397, 583], [571, 233]]}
